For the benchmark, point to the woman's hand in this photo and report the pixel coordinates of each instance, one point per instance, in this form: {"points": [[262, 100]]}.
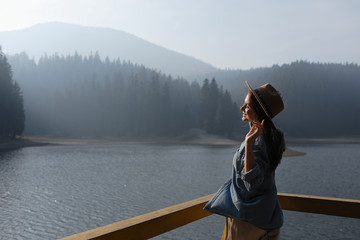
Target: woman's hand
{"points": [[256, 129]]}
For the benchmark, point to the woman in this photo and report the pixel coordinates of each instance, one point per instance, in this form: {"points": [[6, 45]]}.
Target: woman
{"points": [[249, 198]]}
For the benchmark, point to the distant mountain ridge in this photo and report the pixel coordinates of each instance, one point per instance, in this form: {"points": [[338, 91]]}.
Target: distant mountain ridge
{"points": [[66, 39]]}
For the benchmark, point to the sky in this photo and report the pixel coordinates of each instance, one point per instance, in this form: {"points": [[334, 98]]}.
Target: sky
{"points": [[228, 34]]}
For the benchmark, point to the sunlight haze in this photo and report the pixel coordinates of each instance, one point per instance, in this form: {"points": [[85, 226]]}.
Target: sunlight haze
{"points": [[231, 34]]}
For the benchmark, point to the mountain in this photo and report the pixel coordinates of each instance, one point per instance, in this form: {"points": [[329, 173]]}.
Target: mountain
{"points": [[65, 39]]}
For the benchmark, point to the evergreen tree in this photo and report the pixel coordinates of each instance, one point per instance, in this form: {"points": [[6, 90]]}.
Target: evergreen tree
{"points": [[205, 108], [226, 115], [213, 102], [12, 116]]}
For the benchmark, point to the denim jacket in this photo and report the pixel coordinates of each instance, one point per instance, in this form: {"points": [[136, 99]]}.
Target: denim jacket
{"points": [[255, 191]]}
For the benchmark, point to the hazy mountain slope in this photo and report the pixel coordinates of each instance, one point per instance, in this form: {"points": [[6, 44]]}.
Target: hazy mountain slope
{"points": [[64, 39]]}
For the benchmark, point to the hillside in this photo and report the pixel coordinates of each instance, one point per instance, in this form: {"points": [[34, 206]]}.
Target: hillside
{"points": [[66, 39], [321, 99]]}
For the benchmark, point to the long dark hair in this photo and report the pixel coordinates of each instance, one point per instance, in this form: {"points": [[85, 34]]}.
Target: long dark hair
{"points": [[274, 138]]}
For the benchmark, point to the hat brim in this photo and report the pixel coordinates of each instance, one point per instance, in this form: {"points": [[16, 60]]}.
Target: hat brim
{"points": [[260, 102]]}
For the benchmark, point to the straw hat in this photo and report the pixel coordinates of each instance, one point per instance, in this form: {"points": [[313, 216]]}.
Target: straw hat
{"points": [[269, 99]]}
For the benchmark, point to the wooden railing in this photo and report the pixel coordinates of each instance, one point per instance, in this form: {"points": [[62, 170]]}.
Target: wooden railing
{"points": [[155, 223]]}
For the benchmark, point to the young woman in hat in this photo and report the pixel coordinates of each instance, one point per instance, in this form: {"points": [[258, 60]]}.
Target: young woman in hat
{"points": [[249, 198]]}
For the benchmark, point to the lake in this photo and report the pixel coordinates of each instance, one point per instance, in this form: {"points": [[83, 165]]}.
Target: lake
{"points": [[54, 191]]}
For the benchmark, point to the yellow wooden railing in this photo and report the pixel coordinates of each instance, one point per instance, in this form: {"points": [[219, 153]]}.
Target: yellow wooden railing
{"points": [[155, 223]]}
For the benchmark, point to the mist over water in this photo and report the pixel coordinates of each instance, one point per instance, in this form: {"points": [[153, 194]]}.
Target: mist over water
{"points": [[76, 81], [56, 191]]}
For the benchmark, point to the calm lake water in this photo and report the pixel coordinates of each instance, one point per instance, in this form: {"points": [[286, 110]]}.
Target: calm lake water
{"points": [[55, 191]]}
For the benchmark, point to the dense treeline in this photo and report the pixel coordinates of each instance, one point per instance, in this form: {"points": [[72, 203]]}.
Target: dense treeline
{"points": [[12, 116], [321, 100], [85, 96]]}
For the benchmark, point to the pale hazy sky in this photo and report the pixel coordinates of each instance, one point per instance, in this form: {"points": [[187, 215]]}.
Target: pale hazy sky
{"points": [[225, 33]]}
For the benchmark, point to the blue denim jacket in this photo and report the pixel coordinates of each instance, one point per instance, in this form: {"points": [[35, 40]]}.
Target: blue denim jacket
{"points": [[255, 191]]}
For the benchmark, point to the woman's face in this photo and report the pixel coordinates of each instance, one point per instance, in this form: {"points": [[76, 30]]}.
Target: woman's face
{"points": [[248, 112]]}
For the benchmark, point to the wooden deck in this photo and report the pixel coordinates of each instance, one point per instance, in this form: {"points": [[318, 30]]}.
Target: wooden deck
{"points": [[155, 223]]}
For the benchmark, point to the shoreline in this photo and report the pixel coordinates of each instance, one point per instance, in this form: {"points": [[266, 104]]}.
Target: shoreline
{"points": [[193, 138], [210, 140], [159, 140]]}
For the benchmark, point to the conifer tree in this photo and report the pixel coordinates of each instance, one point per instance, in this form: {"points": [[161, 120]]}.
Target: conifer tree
{"points": [[12, 116]]}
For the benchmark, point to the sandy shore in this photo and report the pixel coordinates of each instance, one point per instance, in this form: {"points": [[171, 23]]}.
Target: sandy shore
{"points": [[292, 153], [81, 141]]}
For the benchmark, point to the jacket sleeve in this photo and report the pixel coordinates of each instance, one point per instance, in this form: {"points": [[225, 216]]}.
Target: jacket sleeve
{"points": [[255, 177]]}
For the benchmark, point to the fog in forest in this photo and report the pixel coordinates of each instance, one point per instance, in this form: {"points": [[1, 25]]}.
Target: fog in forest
{"points": [[85, 96], [118, 92]]}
